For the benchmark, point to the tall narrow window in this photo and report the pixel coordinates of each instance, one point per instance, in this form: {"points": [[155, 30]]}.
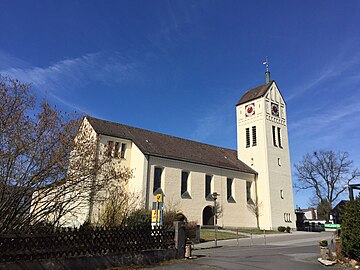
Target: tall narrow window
{"points": [[207, 185], [157, 178], [247, 137], [248, 192], [109, 148], [274, 135], [279, 137], [281, 194], [254, 135], [117, 148], [184, 182], [229, 183], [123, 150]]}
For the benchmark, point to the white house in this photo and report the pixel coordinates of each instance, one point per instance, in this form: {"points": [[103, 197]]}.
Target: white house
{"points": [[188, 172]]}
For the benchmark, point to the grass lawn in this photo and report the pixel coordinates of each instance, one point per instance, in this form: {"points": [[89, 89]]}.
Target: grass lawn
{"points": [[254, 231], [208, 235]]}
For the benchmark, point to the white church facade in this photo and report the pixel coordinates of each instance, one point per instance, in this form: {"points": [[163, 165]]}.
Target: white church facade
{"points": [[188, 172]]}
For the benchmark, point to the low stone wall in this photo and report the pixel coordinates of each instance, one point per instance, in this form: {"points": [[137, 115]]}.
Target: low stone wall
{"points": [[94, 262]]}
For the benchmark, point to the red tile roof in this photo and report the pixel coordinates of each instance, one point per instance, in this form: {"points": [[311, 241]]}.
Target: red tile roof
{"points": [[254, 93], [166, 146]]}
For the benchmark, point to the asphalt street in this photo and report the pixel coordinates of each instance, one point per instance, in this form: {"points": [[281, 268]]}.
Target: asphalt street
{"points": [[298, 251]]}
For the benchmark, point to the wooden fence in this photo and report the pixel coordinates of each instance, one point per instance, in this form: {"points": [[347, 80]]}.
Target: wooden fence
{"points": [[73, 242]]}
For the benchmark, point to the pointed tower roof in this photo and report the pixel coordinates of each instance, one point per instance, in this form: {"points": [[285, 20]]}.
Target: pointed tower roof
{"points": [[255, 93]]}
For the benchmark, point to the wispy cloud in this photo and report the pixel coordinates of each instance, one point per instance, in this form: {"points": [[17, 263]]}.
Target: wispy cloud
{"points": [[8, 61], [341, 67], [208, 125], [216, 127], [327, 124], [68, 75]]}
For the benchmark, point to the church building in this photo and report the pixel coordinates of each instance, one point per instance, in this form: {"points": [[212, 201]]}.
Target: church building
{"points": [[253, 182]]}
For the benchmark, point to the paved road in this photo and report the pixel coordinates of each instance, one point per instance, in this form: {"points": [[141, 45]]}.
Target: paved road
{"points": [[296, 251]]}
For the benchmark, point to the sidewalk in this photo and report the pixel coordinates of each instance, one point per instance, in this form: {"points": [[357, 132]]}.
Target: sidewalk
{"points": [[294, 238]]}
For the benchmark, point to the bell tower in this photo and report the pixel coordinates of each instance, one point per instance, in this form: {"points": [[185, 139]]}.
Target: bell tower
{"points": [[262, 143]]}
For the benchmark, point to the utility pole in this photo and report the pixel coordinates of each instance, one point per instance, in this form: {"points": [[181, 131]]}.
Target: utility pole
{"points": [[351, 190], [215, 196]]}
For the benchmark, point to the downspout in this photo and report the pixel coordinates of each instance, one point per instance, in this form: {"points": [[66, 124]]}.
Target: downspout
{"points": [[147, 206], [257, 201]]}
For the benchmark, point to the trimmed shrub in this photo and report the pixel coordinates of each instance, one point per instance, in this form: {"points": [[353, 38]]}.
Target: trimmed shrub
{"points": [[288, 229], [350, 229], [281, 228]]}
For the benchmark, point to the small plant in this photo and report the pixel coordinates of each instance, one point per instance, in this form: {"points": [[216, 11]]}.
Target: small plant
{"points": [[323, 243], [281, 228], [288, 229]]}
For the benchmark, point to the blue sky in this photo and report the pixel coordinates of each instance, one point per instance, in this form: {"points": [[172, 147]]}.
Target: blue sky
{"points": [[179, 67]]}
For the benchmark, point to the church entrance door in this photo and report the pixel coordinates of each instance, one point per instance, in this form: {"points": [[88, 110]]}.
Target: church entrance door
{"points": [[208, 216]]}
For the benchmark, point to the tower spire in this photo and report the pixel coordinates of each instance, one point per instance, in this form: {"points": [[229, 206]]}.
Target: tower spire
{"points": [[267, 72]]}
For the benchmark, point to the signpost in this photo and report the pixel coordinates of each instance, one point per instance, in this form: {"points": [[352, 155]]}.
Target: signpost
{"points": [[157, 213], [215, 196]]}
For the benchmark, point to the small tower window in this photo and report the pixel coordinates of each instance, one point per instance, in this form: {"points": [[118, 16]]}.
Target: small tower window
{"points": [[254, 135], [279, 137], [287, 217], [274, 135], [247, 137], [281, 194]]}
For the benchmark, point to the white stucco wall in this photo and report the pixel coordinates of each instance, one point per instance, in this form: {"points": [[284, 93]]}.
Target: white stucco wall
{"points": [[138, 164], [234, 214], [79, 214]]}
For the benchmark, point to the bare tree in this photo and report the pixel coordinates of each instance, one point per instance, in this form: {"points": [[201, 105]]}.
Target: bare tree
{"points": [[254, 208], [323, 209], [118, 206], [46, 175], [327, 174]]}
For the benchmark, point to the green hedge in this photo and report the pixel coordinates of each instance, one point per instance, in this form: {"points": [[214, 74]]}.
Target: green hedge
{"points": [[350, 229]]}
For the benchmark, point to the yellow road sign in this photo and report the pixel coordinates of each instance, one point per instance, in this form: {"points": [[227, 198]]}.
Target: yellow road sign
{"points": [[155, 216], [159, 197]]}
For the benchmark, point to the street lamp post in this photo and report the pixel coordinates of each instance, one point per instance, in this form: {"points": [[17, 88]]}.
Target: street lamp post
{"points": [[215, 196]]}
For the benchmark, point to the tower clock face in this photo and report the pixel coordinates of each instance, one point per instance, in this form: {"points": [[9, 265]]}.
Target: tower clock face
{"points": [[274, 109], [250, 109]]}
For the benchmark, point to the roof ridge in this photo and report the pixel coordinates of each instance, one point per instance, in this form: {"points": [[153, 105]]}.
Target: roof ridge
{"points": [[172, 136], [259, 92]]}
